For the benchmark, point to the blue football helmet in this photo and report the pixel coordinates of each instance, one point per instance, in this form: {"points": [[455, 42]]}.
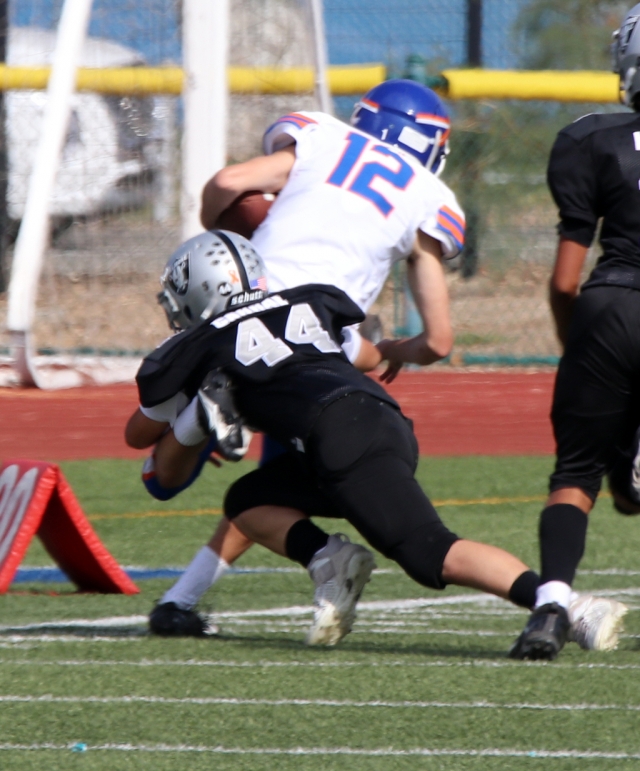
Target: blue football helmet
{"points": [[408, 115]]}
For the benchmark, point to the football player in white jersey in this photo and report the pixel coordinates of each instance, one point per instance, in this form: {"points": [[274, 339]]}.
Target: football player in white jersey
{"points": [[352, 200]]}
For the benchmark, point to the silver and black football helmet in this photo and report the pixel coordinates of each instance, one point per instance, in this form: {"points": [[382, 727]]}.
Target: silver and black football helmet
{"points": [[208, 274], [626, 57]]}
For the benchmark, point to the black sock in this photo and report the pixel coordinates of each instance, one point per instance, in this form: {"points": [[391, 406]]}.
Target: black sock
{"points": [[303, 540], [523, 589], [563, 534]]}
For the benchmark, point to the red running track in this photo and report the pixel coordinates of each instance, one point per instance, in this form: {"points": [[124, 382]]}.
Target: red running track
{"points": [[455, 413]]}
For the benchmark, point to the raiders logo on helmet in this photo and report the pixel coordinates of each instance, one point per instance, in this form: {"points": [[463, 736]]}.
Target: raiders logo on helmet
{"points": [[225, 289], [179, 276]]}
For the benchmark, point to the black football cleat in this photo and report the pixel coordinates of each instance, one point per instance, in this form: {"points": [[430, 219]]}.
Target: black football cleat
{"points": [[168, 620], [544, 635]]}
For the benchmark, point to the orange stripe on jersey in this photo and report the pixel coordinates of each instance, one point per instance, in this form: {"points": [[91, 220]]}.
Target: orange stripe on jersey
{"points": [[300, 120], [452, 223], [457, 218]]}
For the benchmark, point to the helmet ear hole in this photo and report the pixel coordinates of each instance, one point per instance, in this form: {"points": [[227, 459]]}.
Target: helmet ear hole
{"points": [[187, 312]]}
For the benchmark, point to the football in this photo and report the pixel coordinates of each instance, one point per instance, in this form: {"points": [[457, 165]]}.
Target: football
{"points": [[246, 213]]}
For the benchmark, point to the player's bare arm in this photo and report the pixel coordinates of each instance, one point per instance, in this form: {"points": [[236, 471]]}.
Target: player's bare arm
{"points": [[267, 173], [565, 282], [368, 358], [429, 289], [173, 461], [142, 432]]}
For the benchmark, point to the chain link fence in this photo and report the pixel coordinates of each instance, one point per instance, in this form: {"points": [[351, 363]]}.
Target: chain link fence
{"points": [[499, 285], [115, 211]]}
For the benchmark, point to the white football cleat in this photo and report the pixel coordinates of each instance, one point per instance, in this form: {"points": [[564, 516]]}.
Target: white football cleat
{"points": [[339, 571], [218, 416], [596, 622]]}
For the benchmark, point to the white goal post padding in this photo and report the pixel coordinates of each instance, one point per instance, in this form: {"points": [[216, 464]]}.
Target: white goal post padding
{"points": [[205, 96], [34, 228]]}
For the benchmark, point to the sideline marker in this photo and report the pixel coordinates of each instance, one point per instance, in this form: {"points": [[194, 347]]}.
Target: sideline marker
{"points": [[36, 499]]}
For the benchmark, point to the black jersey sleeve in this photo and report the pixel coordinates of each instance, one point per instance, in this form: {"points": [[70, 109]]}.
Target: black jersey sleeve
{"points": [[179, 364], [573, 183]]}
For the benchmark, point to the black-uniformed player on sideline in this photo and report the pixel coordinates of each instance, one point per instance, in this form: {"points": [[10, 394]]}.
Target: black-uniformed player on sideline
{"points": [[353, 454], [593, 174]]}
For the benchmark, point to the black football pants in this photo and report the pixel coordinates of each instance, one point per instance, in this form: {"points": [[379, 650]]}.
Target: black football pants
{"points": [[358, 464], [596, 402]]}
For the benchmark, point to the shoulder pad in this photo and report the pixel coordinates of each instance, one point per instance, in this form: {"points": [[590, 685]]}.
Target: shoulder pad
{"points": [[589, 124], [285, 130]]}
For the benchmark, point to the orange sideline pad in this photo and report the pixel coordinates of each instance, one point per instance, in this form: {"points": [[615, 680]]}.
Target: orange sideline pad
{"points": [[454, 412]]}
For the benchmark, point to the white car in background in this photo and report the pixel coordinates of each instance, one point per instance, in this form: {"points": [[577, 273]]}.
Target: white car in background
{"points": [[107, 161]]}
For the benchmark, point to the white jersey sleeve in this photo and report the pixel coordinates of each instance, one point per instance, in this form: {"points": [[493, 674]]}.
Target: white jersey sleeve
{"points": [[446, 223], [286, 130], [352, 342]]}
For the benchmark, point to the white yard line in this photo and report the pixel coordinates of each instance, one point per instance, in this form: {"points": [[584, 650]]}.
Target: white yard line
{"points": [[17, 639], [376, 617], [110, 622], [284, 628], [150, 663], [139, 622], [301, 751], [27, 642], [213, 701]]}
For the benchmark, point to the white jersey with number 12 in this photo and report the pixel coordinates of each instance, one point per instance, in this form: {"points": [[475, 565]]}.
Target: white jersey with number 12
{"points": [[350, 209]]}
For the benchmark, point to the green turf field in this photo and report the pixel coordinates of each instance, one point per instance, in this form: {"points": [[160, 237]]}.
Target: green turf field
{"points": [[417, 685]]}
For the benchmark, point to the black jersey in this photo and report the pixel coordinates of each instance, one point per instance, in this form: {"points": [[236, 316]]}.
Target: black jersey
{"points": [[593, 173], [282, 353]]}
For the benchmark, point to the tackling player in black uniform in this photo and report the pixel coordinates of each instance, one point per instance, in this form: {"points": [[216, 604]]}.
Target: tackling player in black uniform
{"points": [[353, 454], [593, 174]]}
